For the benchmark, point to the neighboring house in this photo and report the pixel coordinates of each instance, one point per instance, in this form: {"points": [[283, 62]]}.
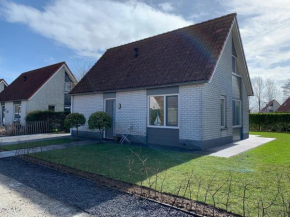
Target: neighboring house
{"points": [[43, 89], [285, 107], [271, 106], [187, 87], [3, 84]]}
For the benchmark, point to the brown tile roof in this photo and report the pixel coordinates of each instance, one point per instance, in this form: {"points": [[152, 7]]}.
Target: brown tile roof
{"points": [[184, 55], [20, 89], [285, 107]]}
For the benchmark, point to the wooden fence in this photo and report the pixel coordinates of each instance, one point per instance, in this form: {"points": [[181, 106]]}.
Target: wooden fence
{"points": [[16, 129]]}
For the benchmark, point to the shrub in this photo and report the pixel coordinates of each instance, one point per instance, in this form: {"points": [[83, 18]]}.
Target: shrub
{"points": [[55, 119], [75, 120], [278, 122], [101, 121]]}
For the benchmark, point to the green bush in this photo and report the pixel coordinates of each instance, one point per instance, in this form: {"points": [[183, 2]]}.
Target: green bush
{"points": [[75, 120], [55, 119], [101, 121], [276, 122]]}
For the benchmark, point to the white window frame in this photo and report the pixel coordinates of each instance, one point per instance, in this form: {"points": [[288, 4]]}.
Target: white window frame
{"points": [[224, 111], [238, 100], [165, 111]]}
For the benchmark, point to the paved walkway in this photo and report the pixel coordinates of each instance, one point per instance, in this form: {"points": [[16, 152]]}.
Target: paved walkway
{"points": [[29, 138], [5, 154], [239, 147]]}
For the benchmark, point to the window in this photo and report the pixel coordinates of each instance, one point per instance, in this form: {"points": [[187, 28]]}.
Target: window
{"points": [[163, 111], [236, 112], [223, 112], [234, 64], [51, 108], [17, 111]]}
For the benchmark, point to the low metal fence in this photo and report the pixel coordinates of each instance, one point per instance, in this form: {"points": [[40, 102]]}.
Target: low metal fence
{"points": [[17, 129]]}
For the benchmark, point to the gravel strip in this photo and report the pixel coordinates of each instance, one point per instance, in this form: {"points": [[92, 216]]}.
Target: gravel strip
{"points": [[79, 193]]}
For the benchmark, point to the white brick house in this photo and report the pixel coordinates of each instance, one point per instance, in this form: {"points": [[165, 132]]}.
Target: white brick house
{"points": [[42, 89], [186, 88]]}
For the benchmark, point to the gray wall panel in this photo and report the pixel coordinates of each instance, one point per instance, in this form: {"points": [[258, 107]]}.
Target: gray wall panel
{"points": [[164, 90], [162, 136]]}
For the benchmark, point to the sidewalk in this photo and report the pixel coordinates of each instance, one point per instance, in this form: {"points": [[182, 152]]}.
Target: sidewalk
{"points": [[239, 147], [31, 138], [43, 148]]}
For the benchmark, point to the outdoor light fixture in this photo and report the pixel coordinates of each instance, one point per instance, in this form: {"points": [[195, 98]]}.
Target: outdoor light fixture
{"points": [[119, 106]]}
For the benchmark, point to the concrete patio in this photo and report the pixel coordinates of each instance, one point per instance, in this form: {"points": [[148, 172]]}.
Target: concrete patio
{"points": [[239, 147]]}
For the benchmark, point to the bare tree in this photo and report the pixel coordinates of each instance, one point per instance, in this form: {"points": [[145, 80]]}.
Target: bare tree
{"points": [[259, 87], [272, 91], [80, 68], [286, 89]]}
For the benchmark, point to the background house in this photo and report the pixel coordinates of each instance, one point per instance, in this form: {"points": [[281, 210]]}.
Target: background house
{"points": [[271, 106], [285, 107], [3, 84], [43, 89], [186, 88]]}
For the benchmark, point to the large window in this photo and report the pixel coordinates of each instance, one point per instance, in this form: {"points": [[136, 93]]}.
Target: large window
{"points": [[237, 113], [163, 111], [223, 112], [17, 111]]}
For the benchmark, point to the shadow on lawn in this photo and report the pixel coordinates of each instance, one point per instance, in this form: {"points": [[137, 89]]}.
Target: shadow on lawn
{"points": [[74, 191], [82, 193]]}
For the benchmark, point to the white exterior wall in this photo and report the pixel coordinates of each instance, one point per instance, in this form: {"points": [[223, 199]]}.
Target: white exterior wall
{"points": [[132, 113], [220, 85], [9, 112], [86, 105], [51, 93], [190, 106]]}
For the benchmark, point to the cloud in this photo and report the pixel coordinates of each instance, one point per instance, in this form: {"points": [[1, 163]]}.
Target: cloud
{"points": [[91, 26], [166, 6], [265, 29]]}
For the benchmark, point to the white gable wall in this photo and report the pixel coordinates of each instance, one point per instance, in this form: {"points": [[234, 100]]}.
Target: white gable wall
{"points": [[220, 85], [51, 93]]}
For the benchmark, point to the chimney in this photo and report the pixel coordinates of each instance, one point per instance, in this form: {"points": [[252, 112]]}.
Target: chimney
{"points": [[136, 51], [24, 78]]}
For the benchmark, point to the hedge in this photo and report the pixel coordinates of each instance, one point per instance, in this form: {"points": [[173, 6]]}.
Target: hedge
{"points": [[276, 122], [55, 119]]}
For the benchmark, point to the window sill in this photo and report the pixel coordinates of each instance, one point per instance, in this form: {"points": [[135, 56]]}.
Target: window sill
{"points": [[163, 127], [237, 126]]}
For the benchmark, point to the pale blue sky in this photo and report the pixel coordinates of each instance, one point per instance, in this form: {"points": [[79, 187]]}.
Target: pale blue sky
{"points": [[37, 33]]}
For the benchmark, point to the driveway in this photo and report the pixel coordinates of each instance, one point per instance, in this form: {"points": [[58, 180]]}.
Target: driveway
{"points": [[31, 190]]}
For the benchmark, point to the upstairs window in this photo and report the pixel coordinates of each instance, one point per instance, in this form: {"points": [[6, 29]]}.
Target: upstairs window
{"points": [[234, 59]]}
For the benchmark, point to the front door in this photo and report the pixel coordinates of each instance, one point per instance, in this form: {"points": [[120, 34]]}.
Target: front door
{"points": [[111, 110]]}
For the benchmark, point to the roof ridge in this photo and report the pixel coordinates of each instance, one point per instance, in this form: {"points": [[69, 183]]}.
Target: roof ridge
{"points": [[43, 67], [193, 25]]}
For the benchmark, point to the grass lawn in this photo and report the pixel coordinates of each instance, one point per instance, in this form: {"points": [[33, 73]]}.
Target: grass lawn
{"points": [[36, 144], [257, 171]]}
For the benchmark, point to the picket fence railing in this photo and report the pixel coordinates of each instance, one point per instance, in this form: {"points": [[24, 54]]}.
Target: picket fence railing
{"points": [[17, 129]]}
